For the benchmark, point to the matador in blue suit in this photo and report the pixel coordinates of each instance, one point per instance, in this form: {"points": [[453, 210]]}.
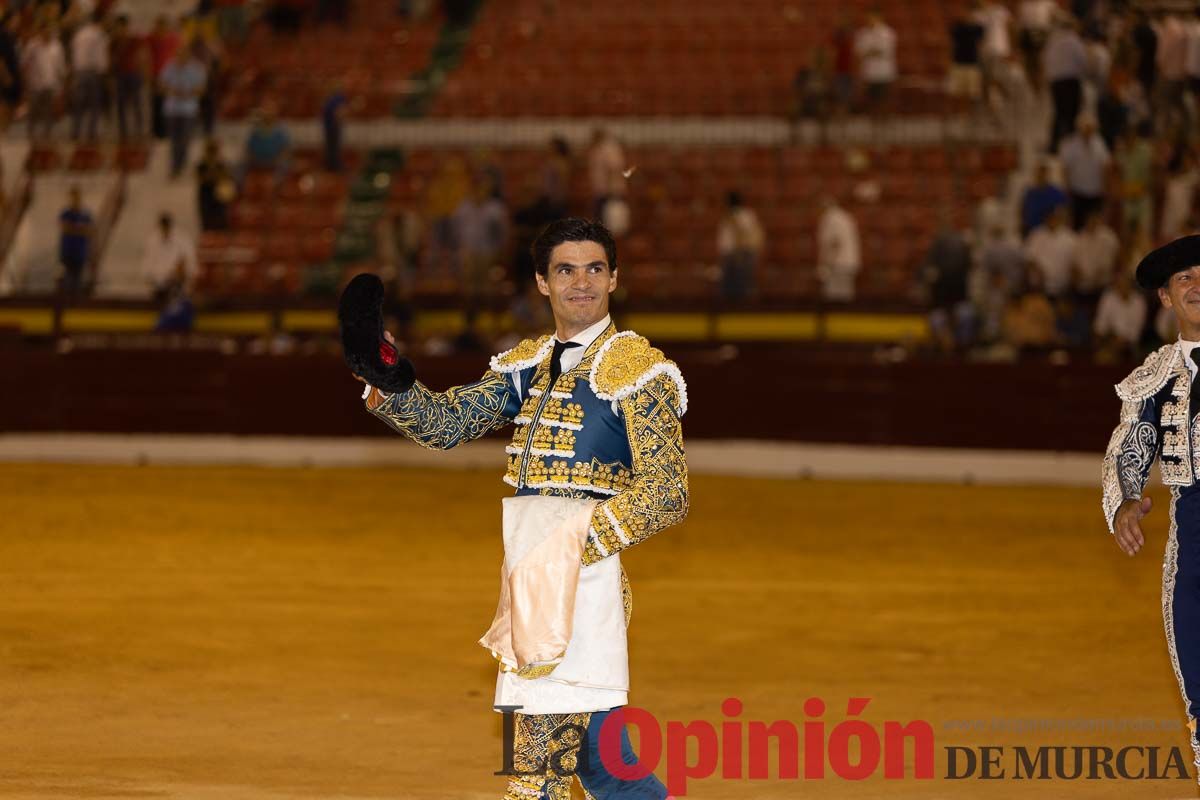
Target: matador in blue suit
{"points": [[597, 464], [1160, 419]]}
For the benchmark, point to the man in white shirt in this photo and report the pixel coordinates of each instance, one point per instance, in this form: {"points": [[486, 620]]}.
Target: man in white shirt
{"points": [[169, 260], [45, 67], [89, 61], [1096, 250], [1085, 161], [1051, 248], [996, 47], [1034, 18], [875, 46], [1120, 317], [839, 253]]}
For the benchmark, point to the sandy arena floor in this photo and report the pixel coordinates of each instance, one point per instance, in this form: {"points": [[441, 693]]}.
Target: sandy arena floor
{"points": [[265, 634]]}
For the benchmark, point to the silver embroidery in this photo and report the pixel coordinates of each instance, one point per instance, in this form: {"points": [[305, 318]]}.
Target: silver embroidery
{"points": [[1176, 461], [1137, 454], [1153, 374], [1130, 449]]}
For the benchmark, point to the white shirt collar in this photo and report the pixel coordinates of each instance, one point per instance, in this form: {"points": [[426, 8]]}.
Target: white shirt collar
{"points": [[588, 335], [1186, 348]]}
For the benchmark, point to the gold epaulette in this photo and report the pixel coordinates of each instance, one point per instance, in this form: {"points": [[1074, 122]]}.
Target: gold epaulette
{"points": [[626, 363], [528, 353], [1153, 374]]}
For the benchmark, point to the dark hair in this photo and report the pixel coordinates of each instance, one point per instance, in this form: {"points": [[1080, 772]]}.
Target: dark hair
{"points": [[571, 229]]}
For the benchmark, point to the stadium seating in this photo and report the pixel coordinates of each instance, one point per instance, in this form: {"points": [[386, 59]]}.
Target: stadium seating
{"points": [[373, 59], [677, 195], [630, 58]]}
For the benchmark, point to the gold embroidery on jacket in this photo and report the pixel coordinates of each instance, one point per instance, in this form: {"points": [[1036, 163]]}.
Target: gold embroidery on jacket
{"points": [[441, 420], [658, 495]]}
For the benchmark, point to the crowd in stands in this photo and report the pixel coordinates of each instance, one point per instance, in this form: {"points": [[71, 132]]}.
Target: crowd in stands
{"points": [[1047, 264], [1119, 177]]}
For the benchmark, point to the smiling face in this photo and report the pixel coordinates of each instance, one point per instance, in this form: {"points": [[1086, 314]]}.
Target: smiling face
{"points": [[578, 283], [1182, 295]]}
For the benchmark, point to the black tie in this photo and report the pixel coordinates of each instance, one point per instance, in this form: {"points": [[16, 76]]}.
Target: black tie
{"points": [[1194, 393], [555, 363]]}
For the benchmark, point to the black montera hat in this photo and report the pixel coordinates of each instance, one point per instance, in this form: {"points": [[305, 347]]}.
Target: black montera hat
{"points": [[1159, 265]]}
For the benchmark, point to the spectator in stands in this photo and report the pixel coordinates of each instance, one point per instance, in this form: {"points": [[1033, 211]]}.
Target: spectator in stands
{"points": [[215, 188], [199, 30], [1002, 255], [11, 83], [89, 63], [268, 145], [177, 314], [990, 303], [814, 88], [993, 210], [606, 167], [1171, 57], [875, 46], [1034, 21], [1120, 318], [1145, 41], [1029, 320], [333, 116], [944, 276], [76, 229], [1051, 248], [1099, 59], [1065, 65], [1135, 167], [164, 42], [45, 67], [131, 66], [841, 42], [1112, 114], [182, 83], [740, 242], [965, 77], [996, 49], [480, 231], [450, 185], [1040, 200], [839, 252], [169, 260], [1072, 321], [1096, 251], [1085, 161], [1178, 195], [556, 179]]}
